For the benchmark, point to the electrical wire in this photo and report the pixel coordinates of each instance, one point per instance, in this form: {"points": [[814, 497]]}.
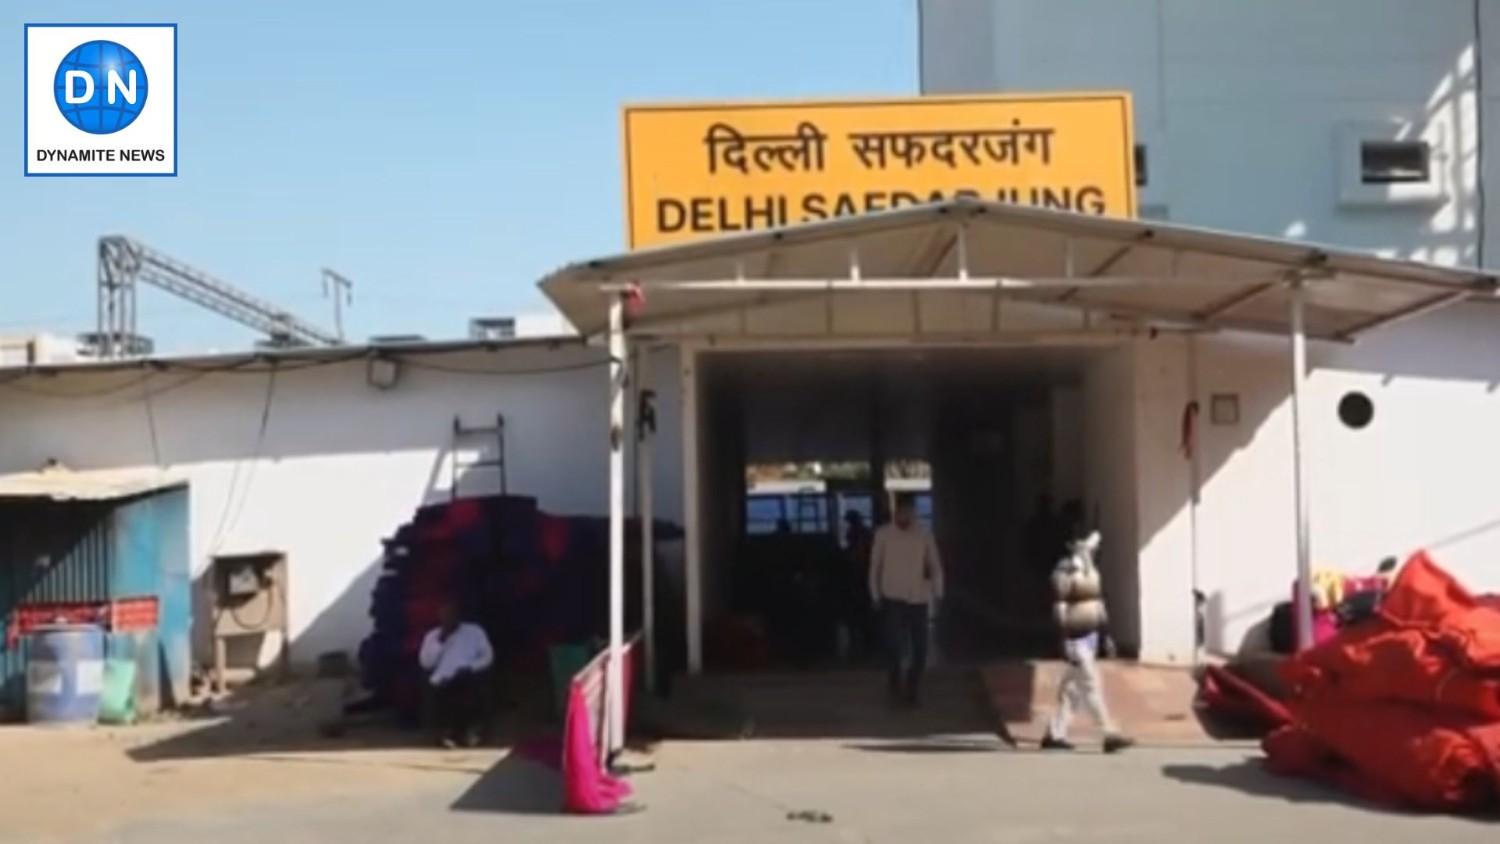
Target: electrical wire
{"points": [[192, 378], [249, 367], [151, 424], [226, 524], [82, 394]]}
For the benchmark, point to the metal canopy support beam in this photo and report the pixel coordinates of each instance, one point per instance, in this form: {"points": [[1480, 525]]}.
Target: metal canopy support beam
{"points": [[1187, 321], [918, 283], [739, 275], [962, 239], [1299, 470], [1227, 304], [930, 340], [741, 310], [614, 679], [1426, 306], [645, 467], [814, 290], [1105, 266], [692, 510]]}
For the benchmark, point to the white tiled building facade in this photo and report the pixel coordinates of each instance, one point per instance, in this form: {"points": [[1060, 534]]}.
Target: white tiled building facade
{"points": [[1349, 122]]}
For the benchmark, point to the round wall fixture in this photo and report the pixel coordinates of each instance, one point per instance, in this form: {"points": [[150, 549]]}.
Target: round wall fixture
{"points": [[1356, 410]]}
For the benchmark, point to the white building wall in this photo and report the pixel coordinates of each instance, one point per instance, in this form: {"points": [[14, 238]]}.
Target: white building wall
{"points": [[1163, 475], [1246, 539], [1419, 477], [340, 465], [1110, 482], [1241, 105]]}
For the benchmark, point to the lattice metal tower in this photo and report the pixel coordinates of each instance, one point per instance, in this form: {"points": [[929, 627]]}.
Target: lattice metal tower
{"points": [[124, 263]]}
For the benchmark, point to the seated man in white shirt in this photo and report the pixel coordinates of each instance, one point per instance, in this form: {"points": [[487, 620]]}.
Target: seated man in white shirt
{"points": [[455, 656]]}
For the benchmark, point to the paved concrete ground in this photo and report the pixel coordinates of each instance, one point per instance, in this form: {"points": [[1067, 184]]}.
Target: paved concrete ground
{"points": [[949, 790], [264, 773], [1153, 704]]}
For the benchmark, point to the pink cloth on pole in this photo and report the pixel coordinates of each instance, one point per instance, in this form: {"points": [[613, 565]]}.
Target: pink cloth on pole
{"points": [[587, 788]]}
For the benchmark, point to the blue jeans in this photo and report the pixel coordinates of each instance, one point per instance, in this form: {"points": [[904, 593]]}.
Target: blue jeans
{"points": [[906, 644]]}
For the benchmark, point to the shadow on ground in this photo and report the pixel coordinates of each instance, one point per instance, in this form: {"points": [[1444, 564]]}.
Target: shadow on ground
{"points": [[1251, 778], [839, 704], [308, 717], [519, 784]]}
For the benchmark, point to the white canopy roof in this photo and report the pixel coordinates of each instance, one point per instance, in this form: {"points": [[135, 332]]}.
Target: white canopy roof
{"points": [[969, 259]]}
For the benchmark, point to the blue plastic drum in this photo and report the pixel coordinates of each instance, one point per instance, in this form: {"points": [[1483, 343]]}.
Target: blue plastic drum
{"points": [[64, 674]]}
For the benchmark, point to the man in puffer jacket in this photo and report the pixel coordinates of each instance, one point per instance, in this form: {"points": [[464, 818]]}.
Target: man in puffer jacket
{"points": [[1082, 620]]}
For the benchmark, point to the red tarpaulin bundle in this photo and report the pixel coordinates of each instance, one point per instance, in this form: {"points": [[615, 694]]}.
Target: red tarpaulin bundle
{"points": [[1405, 707], [1233, 698]]}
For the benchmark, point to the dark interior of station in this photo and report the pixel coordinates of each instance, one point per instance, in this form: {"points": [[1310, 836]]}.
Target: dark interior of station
{"points": [[791, 442]]}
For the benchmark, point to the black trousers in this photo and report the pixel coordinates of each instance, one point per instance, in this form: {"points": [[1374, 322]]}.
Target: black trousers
{"points": [[906, 644], [456, 704]]}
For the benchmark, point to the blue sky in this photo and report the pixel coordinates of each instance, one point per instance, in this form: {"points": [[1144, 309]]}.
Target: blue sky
{"points": [[443, 154]]}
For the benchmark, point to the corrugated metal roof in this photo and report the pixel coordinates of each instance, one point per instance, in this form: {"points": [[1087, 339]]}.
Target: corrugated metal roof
{"points": [[58, 483], [309, 354], [1156, 272]]}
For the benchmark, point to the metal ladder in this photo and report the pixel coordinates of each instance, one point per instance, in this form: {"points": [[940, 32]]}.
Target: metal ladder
{"points": [[460, 433]]}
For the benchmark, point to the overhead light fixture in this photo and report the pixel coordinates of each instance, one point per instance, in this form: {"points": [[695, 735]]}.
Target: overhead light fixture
{"points": [[382, 373]]}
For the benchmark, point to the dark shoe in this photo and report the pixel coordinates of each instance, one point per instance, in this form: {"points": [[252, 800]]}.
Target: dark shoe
{"points": [[471, 739], [1050, 743], [1115, 744], [1006, 738]]}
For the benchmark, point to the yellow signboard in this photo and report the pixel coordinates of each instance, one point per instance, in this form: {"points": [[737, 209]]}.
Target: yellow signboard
{"points": [[699, 170]]}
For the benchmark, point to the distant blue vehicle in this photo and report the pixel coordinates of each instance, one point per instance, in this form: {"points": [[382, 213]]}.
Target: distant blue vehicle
{"points": [[812, 510]]}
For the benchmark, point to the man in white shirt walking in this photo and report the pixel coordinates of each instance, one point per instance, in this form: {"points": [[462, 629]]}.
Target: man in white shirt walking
{"points": [[455, 654], [906, 580], [1083, 621]]}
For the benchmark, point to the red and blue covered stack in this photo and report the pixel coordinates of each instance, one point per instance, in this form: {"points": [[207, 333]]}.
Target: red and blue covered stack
{"points": [[533, 581]]}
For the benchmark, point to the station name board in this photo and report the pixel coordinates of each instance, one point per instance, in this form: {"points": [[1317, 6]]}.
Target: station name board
{"points": [[700, 170]]}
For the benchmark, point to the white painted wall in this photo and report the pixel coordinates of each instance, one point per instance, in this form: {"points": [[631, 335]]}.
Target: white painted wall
{"points": [[1240, 104], [1421, 476], [1164, 565], [341, 465], [1110, 479]]}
